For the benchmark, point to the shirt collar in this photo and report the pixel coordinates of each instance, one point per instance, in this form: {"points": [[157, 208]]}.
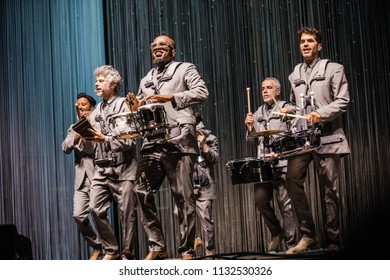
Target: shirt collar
{"points": [[311, 65]]}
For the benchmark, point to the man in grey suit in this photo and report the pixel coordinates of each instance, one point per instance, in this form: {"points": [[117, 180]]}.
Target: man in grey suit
{"points": [[116, 162], [84, 168], [320, 92], [204, 183], [263, 119], [171, 150]]}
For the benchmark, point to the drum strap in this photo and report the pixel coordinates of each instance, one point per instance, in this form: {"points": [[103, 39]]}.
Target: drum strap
{"points": [[166, 76], [319, 76], [119, 102], [112, 157], [267, 114]]}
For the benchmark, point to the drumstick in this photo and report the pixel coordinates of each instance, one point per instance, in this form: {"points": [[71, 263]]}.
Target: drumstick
{"points": [[289, 115], [276, 104], [77, 111], [249, 99]]}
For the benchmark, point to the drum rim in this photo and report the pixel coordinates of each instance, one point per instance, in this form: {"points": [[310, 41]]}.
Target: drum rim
{"points": [[122, 114], [147, 106], [244, 159]]}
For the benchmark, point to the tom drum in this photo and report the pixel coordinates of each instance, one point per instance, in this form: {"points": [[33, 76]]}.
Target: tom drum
{"points": [[250, 170]]}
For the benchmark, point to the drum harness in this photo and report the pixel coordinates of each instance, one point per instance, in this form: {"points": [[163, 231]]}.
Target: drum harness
{"points": [[155, 83], [108, 157], [265, 145], [308, 99]]}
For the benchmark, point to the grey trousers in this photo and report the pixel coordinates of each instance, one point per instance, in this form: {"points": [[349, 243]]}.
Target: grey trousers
{"points": [[327, 169], [152, 168], [81, 215], [203, 209], [263, 198], [102, 194]]}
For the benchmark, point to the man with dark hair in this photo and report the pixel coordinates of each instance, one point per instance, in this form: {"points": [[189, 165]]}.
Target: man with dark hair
{"points": [[319, 89], [91, 100], [204, 183], [84, 168]]}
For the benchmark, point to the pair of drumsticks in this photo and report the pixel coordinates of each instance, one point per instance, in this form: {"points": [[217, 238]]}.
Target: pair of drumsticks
{"points": [[248, 93]]}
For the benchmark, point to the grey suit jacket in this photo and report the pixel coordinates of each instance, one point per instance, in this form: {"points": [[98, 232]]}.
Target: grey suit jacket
{"points": [[274, 122], [83, 153], [185, 83], [204, 183], [330, 87], [120, 151]]}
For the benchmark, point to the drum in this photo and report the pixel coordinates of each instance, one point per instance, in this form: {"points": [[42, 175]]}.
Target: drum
{"points": [[152, 117], [250, 170], [124, 125], [298, 143]]}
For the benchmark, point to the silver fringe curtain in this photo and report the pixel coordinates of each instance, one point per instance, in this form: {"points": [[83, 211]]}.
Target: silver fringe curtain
{"points": [[50, 48]]}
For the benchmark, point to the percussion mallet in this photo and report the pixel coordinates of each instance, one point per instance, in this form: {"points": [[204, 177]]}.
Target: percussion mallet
{"points": [[289, 115], [276, 104], [248, 95]]}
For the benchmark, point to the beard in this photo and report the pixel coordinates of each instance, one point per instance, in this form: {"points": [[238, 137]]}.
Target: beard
{"points": [[159, 61]]}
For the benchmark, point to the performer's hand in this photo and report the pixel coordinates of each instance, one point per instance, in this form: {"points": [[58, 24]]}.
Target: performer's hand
{"points": [[98, 136], [156, 98], [249, 121], [202, 141], [314, 117], [77, 138], [132, 102], [272, 155], [285, 110], [201, 137]]}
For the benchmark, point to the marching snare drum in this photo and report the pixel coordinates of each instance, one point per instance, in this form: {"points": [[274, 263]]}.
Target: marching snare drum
{"points": [[250, 170], [152, 117], [124, 125], [298, 143]]}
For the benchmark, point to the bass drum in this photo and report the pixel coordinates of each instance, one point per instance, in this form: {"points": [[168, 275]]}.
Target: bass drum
{"points": [[250, 170]]}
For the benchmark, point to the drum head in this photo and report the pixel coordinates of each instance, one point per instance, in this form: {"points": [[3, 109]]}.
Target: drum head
{"points": [[150, 107]]}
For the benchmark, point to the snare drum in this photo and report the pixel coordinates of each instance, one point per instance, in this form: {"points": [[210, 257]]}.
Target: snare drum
{"points": [[250, 170], [152, 117], [124, 125], [298, 143]]}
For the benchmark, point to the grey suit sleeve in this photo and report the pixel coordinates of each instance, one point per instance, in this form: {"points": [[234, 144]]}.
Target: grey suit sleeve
{"points": [[196, 91], [339, 94], [68, 143], [212, 154]]}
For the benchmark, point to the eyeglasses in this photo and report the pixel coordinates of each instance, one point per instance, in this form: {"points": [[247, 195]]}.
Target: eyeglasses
{"points": [[160, 44]]}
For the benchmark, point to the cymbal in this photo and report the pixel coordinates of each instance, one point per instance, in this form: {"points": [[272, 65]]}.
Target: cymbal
{"points": [[265, 133]]}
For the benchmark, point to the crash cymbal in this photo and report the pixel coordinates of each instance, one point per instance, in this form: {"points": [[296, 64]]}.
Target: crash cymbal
{"points": [[265, 133]]}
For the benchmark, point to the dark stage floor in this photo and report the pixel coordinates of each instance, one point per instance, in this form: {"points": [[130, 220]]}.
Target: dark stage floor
{"points": [[320, 254]]}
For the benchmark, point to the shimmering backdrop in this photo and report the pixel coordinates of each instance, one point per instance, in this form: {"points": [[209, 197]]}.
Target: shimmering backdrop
{"points": [[50, 48]]}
